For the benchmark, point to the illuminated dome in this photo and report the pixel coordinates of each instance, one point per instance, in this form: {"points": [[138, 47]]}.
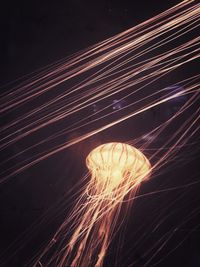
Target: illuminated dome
{"points": [[112, 164]]}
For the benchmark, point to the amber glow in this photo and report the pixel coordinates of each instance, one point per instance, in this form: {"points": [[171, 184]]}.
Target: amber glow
{"points": [[116, 165], [116, 169]]}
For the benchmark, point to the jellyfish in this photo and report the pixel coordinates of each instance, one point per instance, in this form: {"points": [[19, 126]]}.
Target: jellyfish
{"points": [[115, 169]]}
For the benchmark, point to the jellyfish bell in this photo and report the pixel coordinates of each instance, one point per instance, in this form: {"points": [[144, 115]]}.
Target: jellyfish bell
{"points": [[115, 166]]}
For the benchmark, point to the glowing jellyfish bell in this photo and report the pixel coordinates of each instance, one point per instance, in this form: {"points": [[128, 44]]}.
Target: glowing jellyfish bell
{"points": [[117, 167]]}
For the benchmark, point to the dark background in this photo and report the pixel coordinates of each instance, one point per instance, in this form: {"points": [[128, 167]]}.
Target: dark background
{"points": [[35, 34]]}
